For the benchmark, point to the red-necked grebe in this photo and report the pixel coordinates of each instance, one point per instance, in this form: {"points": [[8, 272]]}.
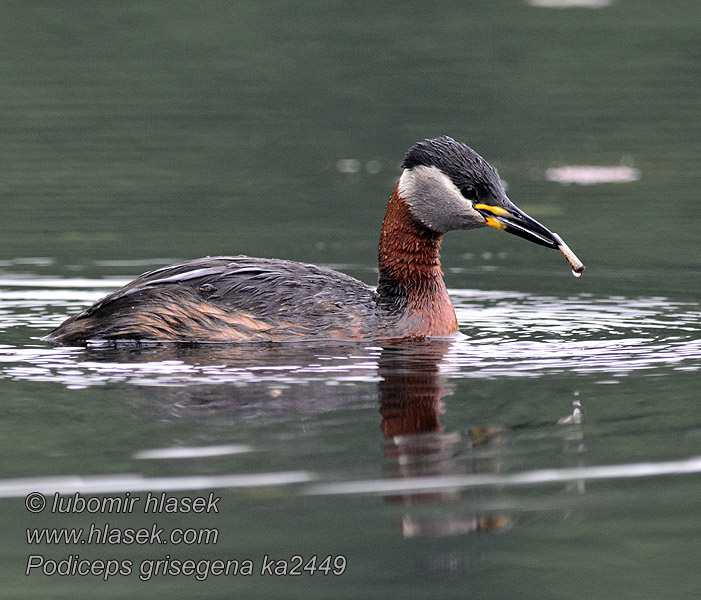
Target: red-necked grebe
{"points": [[444, 186]]}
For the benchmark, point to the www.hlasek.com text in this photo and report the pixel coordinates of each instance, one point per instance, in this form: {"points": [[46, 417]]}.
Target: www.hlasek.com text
{"points": [[106, 534]]}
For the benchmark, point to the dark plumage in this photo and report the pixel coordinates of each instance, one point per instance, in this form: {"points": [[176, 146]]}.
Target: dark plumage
{"points": [[229, 298], [458, 161]]}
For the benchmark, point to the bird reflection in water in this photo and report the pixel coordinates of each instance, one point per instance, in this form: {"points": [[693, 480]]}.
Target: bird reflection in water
{"points": [[282, 382], [410, 393]]}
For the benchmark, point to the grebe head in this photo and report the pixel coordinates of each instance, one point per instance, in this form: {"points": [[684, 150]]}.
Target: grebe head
{"points": [[448, 186]]}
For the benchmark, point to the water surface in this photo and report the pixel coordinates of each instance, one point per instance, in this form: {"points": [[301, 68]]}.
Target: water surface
{"points": [[551, 451]]}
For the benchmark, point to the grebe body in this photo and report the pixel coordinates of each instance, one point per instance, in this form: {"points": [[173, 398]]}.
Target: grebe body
{"points": [[444, 186], [229, 299]]}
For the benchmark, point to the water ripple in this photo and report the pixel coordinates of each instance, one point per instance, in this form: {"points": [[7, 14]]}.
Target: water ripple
{"points": [[506, 334], [416, 485], [128, 482]]}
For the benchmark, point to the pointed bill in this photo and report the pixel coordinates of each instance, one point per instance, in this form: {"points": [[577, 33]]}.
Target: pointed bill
{"points": [[515, 221]]}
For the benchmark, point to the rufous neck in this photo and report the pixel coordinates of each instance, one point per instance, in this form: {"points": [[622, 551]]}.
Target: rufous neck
{"points": [[409, 256]]}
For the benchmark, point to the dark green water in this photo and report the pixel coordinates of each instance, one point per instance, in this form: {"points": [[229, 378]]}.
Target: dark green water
{"points": [[551, 453]]}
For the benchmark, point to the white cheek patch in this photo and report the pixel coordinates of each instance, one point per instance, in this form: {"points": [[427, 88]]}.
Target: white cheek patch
{"points": [[426, 182], [435, 200]]}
